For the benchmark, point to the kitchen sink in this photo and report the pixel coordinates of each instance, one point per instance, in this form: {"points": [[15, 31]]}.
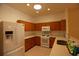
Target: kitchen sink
{"points": [[61, 42]]}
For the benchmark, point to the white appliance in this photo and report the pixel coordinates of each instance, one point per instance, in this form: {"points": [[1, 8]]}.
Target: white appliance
{"points": [[45, 36], [45, 28], [11, 39]]}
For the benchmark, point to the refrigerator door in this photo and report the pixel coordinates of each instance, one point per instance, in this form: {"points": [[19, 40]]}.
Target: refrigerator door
{"points": [[17, 52], [19, 34], [10, 42], [13, 38]]}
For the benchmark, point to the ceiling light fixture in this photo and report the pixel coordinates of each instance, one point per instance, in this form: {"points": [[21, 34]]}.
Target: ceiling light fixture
{"points": [[48, 9], [28, 4], [37, 7]]}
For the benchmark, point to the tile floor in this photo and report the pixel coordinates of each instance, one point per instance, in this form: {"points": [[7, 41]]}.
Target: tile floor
{"points": [[38, 51]]}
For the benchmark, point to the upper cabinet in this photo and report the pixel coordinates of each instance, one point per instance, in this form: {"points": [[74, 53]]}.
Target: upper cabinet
{"points": [[63, 25], [38, 27], [58, 26], [54, 26], [27, 25]]}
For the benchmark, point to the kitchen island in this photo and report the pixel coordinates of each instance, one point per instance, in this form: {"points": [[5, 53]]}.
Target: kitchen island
{"points": [[59, 50]]}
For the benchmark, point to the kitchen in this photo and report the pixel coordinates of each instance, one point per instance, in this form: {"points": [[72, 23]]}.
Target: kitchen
{"points": [[38, 29]]}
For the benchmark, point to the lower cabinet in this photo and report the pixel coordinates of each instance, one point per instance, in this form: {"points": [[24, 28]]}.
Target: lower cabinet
{"points": [[51, 42], [37, 40], [30, 42]]}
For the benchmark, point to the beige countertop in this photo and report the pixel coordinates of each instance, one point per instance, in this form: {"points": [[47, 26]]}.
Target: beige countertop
{"points": [[29, 37], [59, 50]]}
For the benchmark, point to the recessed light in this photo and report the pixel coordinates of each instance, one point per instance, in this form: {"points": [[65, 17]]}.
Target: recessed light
{"points": [[48, 9], [37, 11], [37, 7], [28, 4]]}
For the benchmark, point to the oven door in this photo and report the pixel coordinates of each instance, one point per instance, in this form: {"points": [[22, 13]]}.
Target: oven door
{"points": [[45, 41]]}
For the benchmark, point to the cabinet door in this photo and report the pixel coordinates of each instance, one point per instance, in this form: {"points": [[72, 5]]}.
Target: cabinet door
{"points": [[55, 26], [27, 26], [32, 42], [38, 27], [32, 27], [63, 25], [26, 44], [38, 41], [29, 43], [51, 42]]}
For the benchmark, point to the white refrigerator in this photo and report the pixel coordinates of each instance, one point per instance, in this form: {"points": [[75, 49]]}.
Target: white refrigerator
{"points": [[11, 39]]}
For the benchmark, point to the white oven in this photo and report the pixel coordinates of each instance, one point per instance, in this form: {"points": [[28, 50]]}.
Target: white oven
{"points": [[44, 41], [45, 36]]}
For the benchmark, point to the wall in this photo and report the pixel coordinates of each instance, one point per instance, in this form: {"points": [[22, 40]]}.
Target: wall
{"points": [[0, 12], [73, 23], [10, 14]]}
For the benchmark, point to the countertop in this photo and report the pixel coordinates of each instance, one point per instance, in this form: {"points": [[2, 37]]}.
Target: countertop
{"points": [[29, 37], [34, 36], [59, 50]]}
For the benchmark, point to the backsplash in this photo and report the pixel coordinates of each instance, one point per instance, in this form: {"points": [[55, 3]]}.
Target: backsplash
{"points": [[58, 33], [39, 33], [29, 33], [53, 33]]}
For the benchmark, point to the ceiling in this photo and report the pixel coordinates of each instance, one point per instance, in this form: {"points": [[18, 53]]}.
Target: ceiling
{"points": [[55, 7]]}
